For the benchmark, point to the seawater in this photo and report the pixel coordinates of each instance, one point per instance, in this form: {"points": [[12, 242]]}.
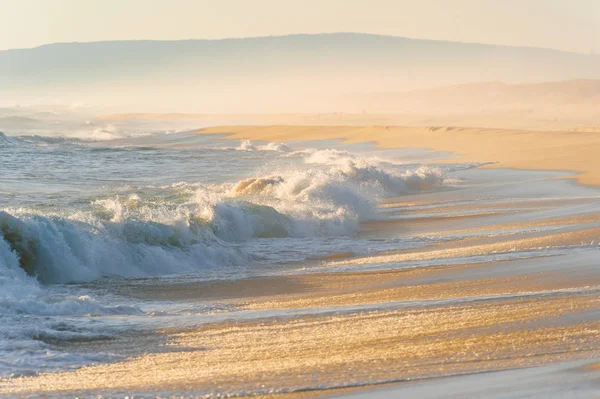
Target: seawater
{"points": [[84, 213]]}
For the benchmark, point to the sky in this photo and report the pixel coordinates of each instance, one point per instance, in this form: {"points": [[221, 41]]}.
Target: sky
{"points": [[571, 25]]}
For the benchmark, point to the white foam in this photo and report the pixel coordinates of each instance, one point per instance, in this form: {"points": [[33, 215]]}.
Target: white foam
{"points": [[173, 230], [248, 145], [26, 311]]}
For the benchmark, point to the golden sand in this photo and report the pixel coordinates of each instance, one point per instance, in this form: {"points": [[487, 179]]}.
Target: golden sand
{"points": [[383, 293], [521, 325], [575, 151], [372, 346], [447, 225], [467, 247]]}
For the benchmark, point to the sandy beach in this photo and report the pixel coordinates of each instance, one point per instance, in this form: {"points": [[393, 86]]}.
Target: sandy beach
{"points": [[569, 150], [515, 284], [300, 199]]}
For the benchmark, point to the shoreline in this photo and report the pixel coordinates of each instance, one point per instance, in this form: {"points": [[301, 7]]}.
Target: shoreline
{"points": [[496, 314], [568, 151]]}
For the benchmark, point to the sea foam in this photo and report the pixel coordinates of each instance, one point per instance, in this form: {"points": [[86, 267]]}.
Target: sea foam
{"points": [[174, 229]]}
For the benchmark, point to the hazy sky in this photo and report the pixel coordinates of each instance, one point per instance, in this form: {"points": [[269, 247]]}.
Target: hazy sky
{"points": [[572, 25]]}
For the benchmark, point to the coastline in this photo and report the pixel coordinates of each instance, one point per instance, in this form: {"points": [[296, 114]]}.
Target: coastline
{"points": [[538, 312], [571, 151]]}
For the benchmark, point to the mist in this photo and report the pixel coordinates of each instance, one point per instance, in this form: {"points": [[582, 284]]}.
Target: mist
{"points": [[377, 79]]}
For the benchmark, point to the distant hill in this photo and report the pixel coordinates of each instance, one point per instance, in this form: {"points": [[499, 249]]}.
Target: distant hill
{"points": [[283, 73]]}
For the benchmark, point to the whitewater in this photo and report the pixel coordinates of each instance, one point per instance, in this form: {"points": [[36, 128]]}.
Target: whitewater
{"points": [[81, 218]]}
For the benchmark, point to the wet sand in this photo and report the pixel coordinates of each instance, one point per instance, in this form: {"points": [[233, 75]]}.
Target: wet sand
{"points": [[369, 347], [526, 295]]}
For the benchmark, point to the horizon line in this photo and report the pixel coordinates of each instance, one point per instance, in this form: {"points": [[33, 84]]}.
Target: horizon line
{"points": [[299, 34]]}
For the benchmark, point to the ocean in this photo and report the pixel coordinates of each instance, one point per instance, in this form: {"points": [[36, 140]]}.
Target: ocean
{"points": [[97, 222], [81, 219]]}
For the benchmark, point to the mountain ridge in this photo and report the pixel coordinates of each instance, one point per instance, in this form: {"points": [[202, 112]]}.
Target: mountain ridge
{"points": [[302, 72], [291, 35]]}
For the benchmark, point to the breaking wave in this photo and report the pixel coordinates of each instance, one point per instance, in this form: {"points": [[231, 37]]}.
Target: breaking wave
{"points": [[6, 141], [91, 135], [192, 227], [247, 145], [172, 229], [35, 139], [28, 333]]}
